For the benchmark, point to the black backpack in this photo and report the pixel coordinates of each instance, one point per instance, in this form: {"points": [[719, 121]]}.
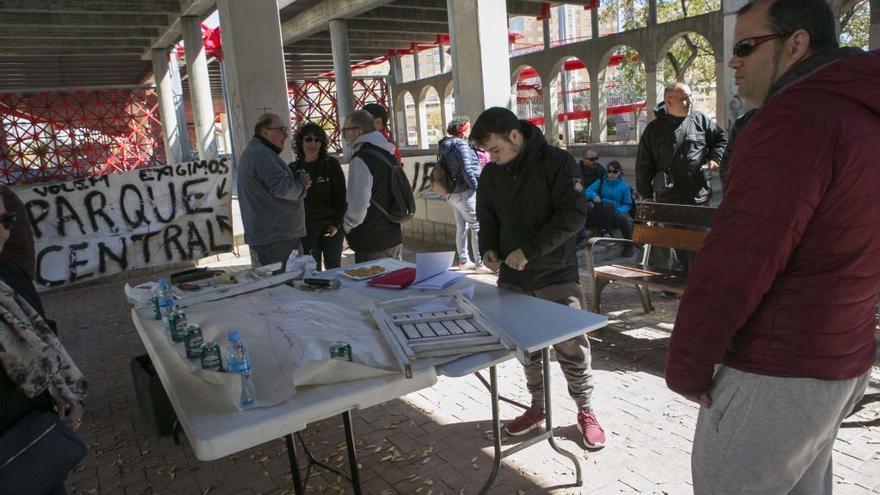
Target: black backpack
{"points": [[403, 203], [442, 179]]}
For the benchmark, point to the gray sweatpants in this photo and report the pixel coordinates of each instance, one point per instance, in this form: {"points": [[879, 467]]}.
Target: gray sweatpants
{"points": [[573, 355], [767, 434]]}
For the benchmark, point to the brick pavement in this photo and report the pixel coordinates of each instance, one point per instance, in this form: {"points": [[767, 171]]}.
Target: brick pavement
{"points": [[430, 442]]}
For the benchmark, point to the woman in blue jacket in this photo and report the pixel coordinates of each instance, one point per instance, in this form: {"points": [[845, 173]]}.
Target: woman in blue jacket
{"points": [[612, 196]]}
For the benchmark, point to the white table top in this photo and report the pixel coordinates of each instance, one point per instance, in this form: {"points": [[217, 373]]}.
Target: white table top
{"points": [[216, 428]]}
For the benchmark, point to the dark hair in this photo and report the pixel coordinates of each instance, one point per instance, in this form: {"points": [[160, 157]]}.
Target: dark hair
{"points": [[309, 129], [377, 111], [264, 121], [615, 165], [495, 120], [813, 16], [454, 127]]}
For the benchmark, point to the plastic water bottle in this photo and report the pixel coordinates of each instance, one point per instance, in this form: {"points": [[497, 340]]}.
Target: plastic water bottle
{"points": [[237, 361], [166, 298]]}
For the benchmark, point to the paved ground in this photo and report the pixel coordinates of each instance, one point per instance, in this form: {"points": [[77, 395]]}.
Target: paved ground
{"points": [[431, 442]]}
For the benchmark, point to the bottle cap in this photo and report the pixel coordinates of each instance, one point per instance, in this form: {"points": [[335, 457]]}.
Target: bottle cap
{"points": [[233, 336]]}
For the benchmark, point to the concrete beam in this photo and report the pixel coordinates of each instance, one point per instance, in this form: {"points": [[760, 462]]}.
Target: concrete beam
{"points": [[524, 8], [104, 6], [74, 32], [374, 26], [171, 33], [318, 17], [415, 16], [8, 43], [376, 38], [91, 52], [13, 18]]}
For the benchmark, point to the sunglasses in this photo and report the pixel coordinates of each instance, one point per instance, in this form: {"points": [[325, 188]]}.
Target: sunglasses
{"points": [[612, 171], [591, 158], [745, 46], [310, 139], [8, 220]]}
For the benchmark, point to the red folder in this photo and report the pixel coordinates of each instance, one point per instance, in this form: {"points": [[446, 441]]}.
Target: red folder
{"points": [[398, 279]]}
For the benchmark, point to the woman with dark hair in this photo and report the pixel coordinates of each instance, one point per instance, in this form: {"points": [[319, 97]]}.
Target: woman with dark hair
{"points": [[325, 202]]}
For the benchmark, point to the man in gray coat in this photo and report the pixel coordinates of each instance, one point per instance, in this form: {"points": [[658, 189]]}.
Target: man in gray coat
{"points": [[269, 195]]}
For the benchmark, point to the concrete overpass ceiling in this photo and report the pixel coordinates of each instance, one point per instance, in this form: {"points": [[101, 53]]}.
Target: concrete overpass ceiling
{"points": [[68, 44]]}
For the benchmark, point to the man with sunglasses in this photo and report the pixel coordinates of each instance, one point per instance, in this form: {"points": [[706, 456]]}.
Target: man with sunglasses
{"points": [[591, 171], [270, 196], [775, 333]]}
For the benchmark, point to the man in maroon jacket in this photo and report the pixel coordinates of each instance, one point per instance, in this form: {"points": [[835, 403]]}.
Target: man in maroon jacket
{"points": [[774, 335]]}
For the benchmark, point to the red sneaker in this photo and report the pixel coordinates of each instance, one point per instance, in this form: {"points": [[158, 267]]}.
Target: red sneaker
{"points": [[532, 418], [594, 435]]}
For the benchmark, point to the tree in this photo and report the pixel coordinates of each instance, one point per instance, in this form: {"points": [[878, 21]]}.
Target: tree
{"points": [[855, 25], [690, 59]]}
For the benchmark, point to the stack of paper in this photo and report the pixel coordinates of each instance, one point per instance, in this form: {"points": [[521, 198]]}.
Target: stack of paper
{"points": [[431, 272]]}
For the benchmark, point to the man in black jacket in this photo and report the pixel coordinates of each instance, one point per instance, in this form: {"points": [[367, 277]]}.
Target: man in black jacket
{"points": [[674, 149], [530, 205]]}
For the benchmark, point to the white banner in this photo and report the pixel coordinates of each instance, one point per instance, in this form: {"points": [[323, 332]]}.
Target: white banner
{"points": [[89, 228]]}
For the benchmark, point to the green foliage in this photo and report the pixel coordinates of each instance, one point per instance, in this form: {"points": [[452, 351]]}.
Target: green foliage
{"points": [[689, 60], [670, 10], [855, 25], [623, 14]]}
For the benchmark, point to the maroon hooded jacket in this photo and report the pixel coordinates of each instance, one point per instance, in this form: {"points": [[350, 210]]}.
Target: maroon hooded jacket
{"points": [[788, 279]]}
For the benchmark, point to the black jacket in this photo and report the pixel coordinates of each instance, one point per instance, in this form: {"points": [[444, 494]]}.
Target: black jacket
{"points": [[325, 200], [376, 232], [590, 175], [535, 203], [672, 151]]}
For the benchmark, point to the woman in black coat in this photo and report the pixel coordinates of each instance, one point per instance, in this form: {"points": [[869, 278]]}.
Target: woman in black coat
{"points": [[325, 202]]}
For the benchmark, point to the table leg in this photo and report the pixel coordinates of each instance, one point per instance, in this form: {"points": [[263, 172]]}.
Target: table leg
{"points": [[548, 411], [352, 454], [294, 465], [500, 397], [496, 431]]}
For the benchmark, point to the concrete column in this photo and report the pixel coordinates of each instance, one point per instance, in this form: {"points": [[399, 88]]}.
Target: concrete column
{"points": [[598, 105], [255, 72], [199, 86], [179, 104], [566, 82], [551, 102], [650, 91], [594, 22], [545, 26], [442, 54], [444, 119], [342, 68], [418, 72], [167, 112], [652, 12], [421, 124], [480, 55], [874, 36], [733, 105], [721, 99]]}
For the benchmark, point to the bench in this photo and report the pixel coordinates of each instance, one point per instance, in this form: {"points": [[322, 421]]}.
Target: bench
{"points": [[664, 225]]}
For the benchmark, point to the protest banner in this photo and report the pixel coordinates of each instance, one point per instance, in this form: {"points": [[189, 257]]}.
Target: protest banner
{"points": [[93, 227]]}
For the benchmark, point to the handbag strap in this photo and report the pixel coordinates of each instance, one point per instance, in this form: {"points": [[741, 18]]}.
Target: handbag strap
{"points": [[28, 446]]}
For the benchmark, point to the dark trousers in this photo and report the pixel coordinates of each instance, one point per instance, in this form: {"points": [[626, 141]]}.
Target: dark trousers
{"points": [[321, 247], [266, 254], [395, 252], [608, 219]]}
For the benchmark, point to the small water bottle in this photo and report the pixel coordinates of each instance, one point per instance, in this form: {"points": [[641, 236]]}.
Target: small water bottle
{"points": [[166, 298], [237, 362]]}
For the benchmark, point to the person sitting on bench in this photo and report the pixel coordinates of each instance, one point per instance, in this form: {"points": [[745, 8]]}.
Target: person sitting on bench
{"points": [[612, 199]]}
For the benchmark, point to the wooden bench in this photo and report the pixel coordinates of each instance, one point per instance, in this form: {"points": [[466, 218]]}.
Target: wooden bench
{"points": [[656, 225]]}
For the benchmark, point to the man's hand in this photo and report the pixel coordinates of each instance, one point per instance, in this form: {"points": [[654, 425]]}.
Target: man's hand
{"points": [[713, 165], [331, 231], [490, 259], [516, 260], [597, 200], [702, 399]]}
